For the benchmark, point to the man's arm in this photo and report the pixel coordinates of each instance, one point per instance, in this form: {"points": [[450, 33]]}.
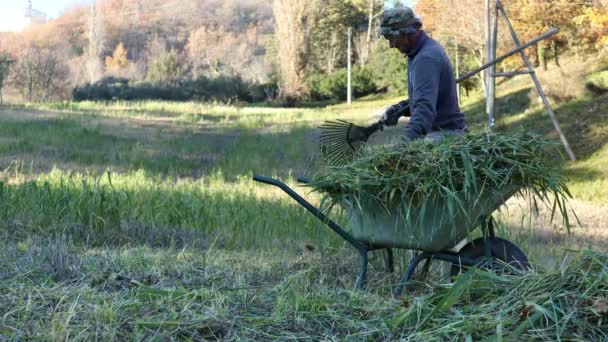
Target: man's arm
{"points": [[403, 108], [425, 81]]}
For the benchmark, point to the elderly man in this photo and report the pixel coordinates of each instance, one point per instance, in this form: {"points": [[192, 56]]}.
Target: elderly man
{"points": [[433, 103]]}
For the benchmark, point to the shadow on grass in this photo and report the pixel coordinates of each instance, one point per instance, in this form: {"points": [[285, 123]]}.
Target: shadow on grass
{"points": [[137, 210], [582, 173], [73, 143], [507, 105], [584, 121]]}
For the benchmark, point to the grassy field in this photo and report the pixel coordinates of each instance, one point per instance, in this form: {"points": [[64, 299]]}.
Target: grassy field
{"points": [[141, 221]]}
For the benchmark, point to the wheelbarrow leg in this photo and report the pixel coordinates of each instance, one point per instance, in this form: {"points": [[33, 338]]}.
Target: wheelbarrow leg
{"points": [[361, 282], [489, 236], [410, 272], [426, 267], [491, 227], [390, 263]]}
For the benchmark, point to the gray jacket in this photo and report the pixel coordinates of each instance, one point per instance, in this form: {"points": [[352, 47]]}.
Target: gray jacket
{"points": [[431, 86]]}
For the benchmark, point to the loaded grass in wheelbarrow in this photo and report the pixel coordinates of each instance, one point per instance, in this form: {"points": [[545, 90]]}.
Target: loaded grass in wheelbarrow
{"points": [[428, 196]]}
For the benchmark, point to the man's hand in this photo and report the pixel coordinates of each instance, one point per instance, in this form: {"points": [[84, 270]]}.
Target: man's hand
{"points": [[391, 114]]}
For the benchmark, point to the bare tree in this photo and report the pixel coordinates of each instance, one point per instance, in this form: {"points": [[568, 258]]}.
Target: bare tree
{"points": [[361, 47], [364, 54], [295, 21], [95, 33], [156, 46], [41, 74], [214, 52], [333, 51], [23, 78], [5, 64]]}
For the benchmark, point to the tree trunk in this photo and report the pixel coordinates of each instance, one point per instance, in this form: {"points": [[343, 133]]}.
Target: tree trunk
{"points": [[333, 53], [542, 56], [349, 72], [365, 55], [295, 21], [479, 59], [536, 59], [457, 66], [30, 88], [554, 48], [95, 37]]}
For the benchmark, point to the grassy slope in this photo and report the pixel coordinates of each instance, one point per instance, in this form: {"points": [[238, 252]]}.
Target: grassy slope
{"points": [[178, 243], [584, 121]]}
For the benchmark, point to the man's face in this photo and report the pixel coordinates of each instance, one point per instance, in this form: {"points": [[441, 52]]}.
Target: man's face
{"points": [[404, 42]]}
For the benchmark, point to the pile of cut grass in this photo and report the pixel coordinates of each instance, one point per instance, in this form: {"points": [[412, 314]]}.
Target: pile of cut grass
{"points": [[457, 169], [136, 292], [568, 304]]}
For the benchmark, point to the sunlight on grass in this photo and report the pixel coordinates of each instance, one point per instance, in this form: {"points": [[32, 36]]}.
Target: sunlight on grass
{"points": [[589, 178], [289, 132], [241, 213]]}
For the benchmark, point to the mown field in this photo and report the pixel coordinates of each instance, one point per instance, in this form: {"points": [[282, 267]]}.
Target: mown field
{"points": [[140, 221]]}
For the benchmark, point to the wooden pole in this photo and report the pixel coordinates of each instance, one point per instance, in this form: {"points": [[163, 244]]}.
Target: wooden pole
{"points": [[539, 88], [457, 55], [508, 54], [349, 69], [368, 39], [512, 73], [457, 67], [490, 70]]}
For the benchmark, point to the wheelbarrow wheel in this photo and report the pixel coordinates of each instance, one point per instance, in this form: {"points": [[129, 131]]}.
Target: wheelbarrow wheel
{"points": [[501, 249]]}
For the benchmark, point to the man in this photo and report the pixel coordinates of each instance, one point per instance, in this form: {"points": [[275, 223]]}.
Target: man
{"points": [[433, 102]]}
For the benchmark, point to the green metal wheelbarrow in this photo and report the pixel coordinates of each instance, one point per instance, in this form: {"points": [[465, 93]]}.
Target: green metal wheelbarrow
{"points": [[432, 232]]}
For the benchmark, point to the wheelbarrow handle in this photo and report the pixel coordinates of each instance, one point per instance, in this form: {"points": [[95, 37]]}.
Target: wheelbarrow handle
{"points": [[313, 210], [272, 181], [267, 180], [304, 180]]}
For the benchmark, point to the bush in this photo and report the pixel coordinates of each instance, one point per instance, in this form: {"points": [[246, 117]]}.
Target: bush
{"points": [[598, 82], [222, 89], [388, 67], [333, 86], [166, 68], [562, 84]]}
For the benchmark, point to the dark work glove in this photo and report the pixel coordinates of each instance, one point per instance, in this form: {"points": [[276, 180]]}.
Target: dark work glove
{"points": [[391, 114]]}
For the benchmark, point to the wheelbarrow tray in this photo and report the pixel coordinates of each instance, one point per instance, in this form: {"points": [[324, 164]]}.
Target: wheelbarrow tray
{"points": [[429, 227], [433, 232]]}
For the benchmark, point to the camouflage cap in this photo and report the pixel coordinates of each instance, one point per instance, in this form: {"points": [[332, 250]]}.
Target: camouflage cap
{"points": [[397, 20]]}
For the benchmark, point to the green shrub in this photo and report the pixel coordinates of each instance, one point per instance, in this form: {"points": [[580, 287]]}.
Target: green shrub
{"points": [[388, 67], [333, 86], [166, 68], [222, 89]]}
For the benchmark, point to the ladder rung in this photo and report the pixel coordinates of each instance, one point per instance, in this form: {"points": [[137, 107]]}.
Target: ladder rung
{"points": [[512, 73]]}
